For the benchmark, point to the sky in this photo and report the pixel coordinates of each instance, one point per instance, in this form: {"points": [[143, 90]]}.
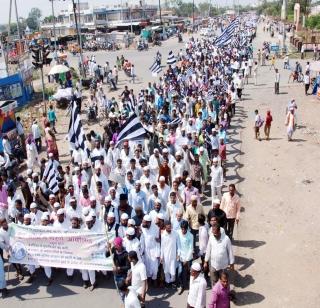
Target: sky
{"points": [[24, 6]]}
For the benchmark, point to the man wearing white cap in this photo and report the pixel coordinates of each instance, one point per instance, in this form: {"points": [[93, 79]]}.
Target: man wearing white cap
{"points": [[61, 223], [35, 214], [216, 179], [178, 166], [150, 244], [107, 208], [164, 191], [98, 226], [168, 156], [47, 269], [123, 225], [138, 197], [154, 162], [89, 274], [130, 242], [56, 206], [158, 210], [147, 176], [73, 209], [35, 183], [126, 154], [36, 133], [112, 156], [147, 189], [31, 268], [169, 253], [197, 290], [214, 138], [111, 226]]}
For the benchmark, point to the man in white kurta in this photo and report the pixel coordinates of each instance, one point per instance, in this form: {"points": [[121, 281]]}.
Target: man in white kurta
{"points": [[169, 253], [150, 246], [216, 179], [154, 162], [32, 155], [112, 156], [44, 220], [89, 274], [131, 243], [98, 177]]}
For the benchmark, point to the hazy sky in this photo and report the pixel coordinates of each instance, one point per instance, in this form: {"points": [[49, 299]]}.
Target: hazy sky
{"points": [[24, 6]]}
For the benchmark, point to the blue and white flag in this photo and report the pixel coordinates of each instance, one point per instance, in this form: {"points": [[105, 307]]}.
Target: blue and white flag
{"points": [[155, 68], [227, 34], [131, 129], [176, 121], [171, 60]]}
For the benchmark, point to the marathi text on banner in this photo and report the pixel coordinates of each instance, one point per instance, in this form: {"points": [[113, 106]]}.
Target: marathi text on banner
{"points": [[46, 246]]}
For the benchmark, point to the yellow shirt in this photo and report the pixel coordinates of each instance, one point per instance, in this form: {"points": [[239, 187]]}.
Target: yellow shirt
{"points": [[191, 215]]}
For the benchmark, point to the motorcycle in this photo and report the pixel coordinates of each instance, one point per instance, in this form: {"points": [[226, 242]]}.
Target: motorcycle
{"points": [[157, 43], [91, 113], [142, 46]]}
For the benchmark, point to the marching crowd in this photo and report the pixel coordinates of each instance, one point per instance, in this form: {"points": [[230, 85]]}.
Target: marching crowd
{"points": [[146, 193]]}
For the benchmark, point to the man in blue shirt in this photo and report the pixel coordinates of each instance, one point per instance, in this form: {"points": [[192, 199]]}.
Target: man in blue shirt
{"points": [[185, 253]]}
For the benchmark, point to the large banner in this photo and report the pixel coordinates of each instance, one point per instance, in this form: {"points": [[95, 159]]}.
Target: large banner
{"points": [[47, 246]]}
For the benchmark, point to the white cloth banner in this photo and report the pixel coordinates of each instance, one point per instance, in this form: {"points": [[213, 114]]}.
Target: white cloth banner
{"points": [[46, 246]]}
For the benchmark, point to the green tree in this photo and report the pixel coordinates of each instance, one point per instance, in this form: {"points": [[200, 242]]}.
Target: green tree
{"points": [[48, 19], [184, 9], [33, 19], [205, 9]]}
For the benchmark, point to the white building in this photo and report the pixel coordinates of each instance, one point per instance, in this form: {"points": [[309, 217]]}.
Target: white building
{"points": [[101, 18]]}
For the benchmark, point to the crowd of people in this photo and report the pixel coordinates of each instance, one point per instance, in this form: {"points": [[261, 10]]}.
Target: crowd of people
{"points": [[146, 194]]}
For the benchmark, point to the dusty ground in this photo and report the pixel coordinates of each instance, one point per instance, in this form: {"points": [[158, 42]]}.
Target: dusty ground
{"points": [[278, 244]]}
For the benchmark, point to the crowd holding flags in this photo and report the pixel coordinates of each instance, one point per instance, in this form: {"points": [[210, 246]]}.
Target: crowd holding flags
{"points": [[227, 34]]}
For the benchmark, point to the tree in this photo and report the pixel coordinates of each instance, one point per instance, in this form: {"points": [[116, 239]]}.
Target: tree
{"points": [[35, 12], [184, 8], [34, 19], [48, 19], [32, 24], [205, 9]]}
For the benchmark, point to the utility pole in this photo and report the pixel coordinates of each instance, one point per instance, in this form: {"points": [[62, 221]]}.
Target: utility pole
{"points": [[82, 70], [20, 41], [193, 15], [131, 28], [160, 13], [54, 30]]}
